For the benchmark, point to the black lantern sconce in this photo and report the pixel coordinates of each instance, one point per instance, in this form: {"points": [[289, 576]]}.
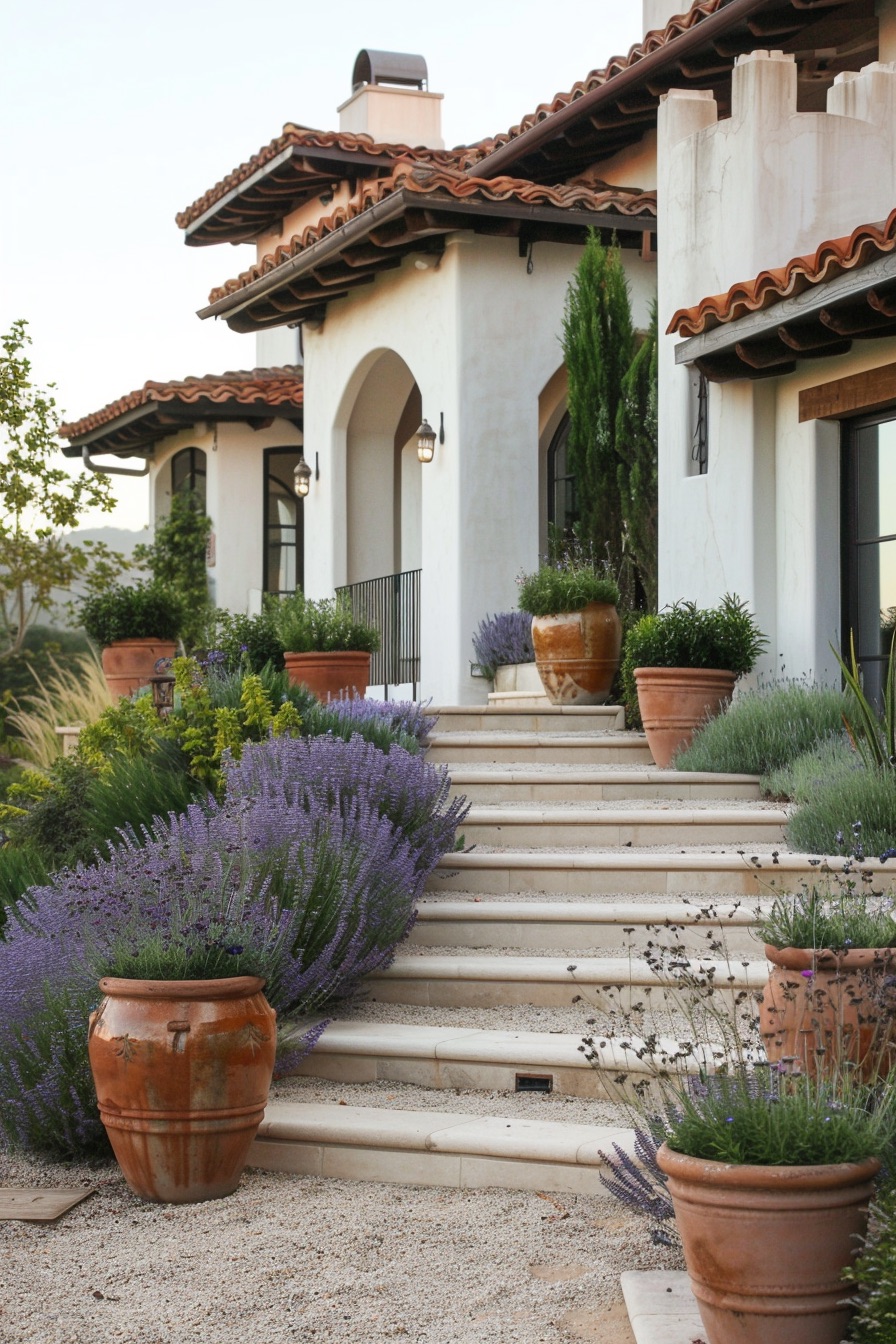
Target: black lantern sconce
{"points": [[426, 438]]}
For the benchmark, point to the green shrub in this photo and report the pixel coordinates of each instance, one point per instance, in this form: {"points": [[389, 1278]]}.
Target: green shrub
{"points": [[20, 868], [247, 642], [568, 585], [764, 729], [328, 626], [875, 1273], [858, 809], [799, 779], [139, 611]]}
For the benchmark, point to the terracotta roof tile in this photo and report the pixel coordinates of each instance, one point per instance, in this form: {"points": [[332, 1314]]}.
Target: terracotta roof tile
{"points": [[659, 37], [294, 136], [274, 387], [459, 186], [851, 252]]}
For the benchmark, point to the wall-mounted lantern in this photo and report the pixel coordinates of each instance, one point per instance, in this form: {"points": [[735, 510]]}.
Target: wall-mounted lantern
{"points": [[426, 438], [302, 477]]}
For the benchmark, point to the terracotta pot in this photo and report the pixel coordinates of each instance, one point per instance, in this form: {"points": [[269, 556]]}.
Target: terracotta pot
{"points": [[182, 1070], [675, 701], [128, 664], [329, 675], [765, 1247], [820, 1008], [577, 653]]}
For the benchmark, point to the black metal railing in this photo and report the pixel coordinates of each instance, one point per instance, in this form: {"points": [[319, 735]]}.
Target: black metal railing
{"points": [[392, 606]]}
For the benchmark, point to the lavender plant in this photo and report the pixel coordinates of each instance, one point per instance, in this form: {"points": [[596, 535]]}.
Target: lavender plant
{"points": [[503, 639], [306, 873]]}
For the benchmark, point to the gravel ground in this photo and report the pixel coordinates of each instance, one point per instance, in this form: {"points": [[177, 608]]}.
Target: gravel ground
{"points": [[298, 1258]]}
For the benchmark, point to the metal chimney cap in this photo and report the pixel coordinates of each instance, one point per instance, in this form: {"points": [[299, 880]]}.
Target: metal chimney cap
{"points": [[389, 67]]}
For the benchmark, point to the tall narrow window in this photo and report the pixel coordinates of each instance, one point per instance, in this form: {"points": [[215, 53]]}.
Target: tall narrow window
{"points": [[563, 503], [699, 423], [869, 543], [188, 473], [283, 523]]}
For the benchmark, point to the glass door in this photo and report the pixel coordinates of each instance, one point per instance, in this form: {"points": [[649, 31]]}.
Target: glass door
{"points": [[869, 544]]}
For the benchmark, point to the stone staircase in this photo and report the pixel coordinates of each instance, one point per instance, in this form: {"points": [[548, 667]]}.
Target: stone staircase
{"points": [[581, 847]]}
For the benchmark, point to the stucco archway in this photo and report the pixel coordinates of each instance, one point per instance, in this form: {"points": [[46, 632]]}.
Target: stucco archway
{"points": [[382, 474]]}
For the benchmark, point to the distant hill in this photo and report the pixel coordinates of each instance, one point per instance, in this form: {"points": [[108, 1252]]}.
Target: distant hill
{"points": [[118, 539]]}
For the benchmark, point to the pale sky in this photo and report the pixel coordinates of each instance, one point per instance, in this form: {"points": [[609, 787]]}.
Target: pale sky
{"points": [[117, 116]]}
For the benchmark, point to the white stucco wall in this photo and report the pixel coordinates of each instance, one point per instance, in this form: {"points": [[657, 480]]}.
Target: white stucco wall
{"points": [[234, 500], [736, 197], [481, 338]]}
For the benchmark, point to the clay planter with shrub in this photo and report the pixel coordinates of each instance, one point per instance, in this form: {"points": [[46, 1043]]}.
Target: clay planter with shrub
{"points": [[182, 1070], [823, 1008], [766, 1246], [136, 627], [576, 631], [682, 664], [325, 648]]}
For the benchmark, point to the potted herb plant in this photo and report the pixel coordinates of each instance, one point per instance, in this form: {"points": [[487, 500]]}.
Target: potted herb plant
{"points": [[576, 631], [134, 626], [182, 1044], [685, 661], [770, 1176], [831, 995], [324, 647], [504, 652]]}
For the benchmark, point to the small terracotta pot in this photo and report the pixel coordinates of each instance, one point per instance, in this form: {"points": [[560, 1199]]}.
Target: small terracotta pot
{"points": [[577, 653], [182, 1070], [821, 1008], [329, 675], [128, 664], [765, 1247], [675, 701]]}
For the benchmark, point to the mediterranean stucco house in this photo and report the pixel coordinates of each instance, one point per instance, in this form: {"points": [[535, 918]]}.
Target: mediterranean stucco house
{"points": [[395, 282]]}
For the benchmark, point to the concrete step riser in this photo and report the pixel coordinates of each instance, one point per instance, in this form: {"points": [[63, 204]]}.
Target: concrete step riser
{"points": [[587, 938], [412, 1148], [587, 752], [560, 791], [462, 1075], [532, 719], [660, 831]]}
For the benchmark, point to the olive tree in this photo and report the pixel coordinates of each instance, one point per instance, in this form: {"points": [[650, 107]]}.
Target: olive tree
{"points": [[41, 501]]}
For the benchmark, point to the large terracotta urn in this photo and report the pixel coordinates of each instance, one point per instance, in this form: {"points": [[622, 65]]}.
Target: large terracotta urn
{"points": [[822, 1008], [128, 664], [182, 1070], [766, 1247], [577, 653], [329, 675], [675, 701]]}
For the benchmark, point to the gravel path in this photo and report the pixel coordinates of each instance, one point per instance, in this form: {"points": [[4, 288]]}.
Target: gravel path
{"points": [[298, 1258]]}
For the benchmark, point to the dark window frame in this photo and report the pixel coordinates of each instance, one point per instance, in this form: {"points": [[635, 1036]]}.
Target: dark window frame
{"points": [[851, 543], [269, 524]]}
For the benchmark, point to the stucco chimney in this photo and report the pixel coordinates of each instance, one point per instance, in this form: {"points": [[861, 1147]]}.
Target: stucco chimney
{"points": [[390, 101]]}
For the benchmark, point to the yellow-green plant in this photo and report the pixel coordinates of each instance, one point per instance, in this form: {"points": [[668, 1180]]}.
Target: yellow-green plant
{"points": [[71, 695]]}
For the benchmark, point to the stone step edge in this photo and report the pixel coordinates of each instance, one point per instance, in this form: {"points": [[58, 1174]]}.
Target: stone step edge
{"points": [[511, 708], [727, 914], [735, 973], [661, 1307], [634, 860], [421, 1148], [509, 740], [539, 1050], [497, 814], [469, 774]]}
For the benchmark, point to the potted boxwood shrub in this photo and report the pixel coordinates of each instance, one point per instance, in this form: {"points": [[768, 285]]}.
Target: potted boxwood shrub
{"points": [[576, 631], [770, 1176], [685, 661], [830, 997], [324, 647], [134, 626]]}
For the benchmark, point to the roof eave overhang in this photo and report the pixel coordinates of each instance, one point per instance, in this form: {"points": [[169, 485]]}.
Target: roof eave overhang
{"points": [[135, 433], [651, 68], [809, 325], [440, 215], [343, 163]]}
